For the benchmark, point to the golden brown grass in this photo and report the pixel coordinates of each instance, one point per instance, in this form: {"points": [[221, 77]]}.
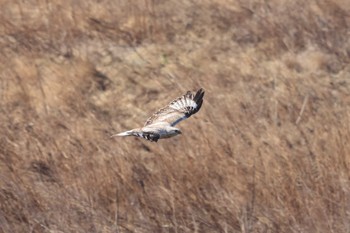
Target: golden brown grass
{"points": [[268, 152]]}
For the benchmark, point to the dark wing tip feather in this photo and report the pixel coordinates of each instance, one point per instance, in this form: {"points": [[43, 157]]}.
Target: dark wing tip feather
{"points": [[198, 98], [199, 95]]}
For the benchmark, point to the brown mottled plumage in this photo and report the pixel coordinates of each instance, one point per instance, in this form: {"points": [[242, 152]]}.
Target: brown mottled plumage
{"points": [[161, 123]]}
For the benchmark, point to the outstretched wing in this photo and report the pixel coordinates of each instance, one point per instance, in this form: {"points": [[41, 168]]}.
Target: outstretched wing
{"points": [[179, 109]]}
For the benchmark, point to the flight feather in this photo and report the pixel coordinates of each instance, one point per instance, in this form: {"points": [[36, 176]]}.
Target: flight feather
{"points": [[179, 109]]}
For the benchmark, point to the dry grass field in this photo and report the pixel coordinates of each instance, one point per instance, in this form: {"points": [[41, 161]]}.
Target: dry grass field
{"points": [[268, 152]]}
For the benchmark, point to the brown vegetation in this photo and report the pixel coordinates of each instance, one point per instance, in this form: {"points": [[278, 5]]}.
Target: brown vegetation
{"points": [[268, 152]]}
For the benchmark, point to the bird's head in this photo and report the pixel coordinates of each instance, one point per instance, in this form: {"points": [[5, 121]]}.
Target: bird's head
{"points": [[177, 131]]}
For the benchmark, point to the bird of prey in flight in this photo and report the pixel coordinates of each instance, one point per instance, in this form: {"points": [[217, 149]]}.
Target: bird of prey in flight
{"points": [[161, 123]]}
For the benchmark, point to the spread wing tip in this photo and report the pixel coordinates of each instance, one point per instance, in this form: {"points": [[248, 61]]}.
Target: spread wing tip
{"points": [[198, 98]]}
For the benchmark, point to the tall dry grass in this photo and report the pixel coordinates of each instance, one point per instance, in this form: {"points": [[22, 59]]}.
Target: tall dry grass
{"points": [[268, 152]]}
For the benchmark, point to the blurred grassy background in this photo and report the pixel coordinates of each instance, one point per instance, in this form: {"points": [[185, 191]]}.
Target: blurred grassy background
{"points": [[268, 152]]}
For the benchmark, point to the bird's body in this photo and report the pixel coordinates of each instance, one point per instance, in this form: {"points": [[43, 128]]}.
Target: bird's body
{"points": [[153, 132], [161, 124]]}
